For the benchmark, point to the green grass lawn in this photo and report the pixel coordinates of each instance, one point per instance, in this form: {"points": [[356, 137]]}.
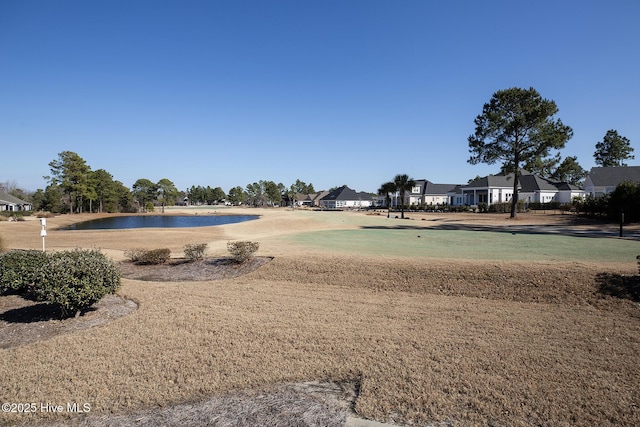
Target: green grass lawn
{"points": [[459, 244]]}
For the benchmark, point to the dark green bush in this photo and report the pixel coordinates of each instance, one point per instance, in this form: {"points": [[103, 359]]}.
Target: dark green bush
{"points": [[73, 279], [195, 251], [242, 251], [19, 270], [625, 198], [76, 279], [155, 256]]}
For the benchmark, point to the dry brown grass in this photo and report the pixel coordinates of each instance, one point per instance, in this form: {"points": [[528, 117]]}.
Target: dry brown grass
{"points": [[473, 343]]}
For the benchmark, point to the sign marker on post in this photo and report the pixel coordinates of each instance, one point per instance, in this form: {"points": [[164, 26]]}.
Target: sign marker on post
{"points": [[43, 231]]}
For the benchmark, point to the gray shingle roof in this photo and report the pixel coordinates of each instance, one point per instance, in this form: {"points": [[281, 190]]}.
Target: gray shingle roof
{"points": [[612, 176], [345, 193], [527, 182], [441, 189], [534, 182], [429, 188], [8, 199], [505, 181]]}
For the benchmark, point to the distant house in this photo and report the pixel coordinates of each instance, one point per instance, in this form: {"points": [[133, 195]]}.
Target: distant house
{"points": [[425, 192], [316, 197], [537, 189], [488, 189], [603, 180], [11, 203], [532, 188], [346, 198], [301, 199]]}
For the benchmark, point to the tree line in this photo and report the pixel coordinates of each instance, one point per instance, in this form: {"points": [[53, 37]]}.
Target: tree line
{"points": [[516, 128], [74, 187]]}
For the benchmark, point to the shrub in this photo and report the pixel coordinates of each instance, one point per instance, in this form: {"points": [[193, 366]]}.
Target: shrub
{"points": [[19, 270], [76, 279], [242, 251], [73, 279], [134, 255], [148, 256], [155, 256], [195, 251]]}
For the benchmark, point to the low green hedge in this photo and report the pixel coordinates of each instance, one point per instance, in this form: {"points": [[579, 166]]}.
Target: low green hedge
{"points": [[19, 270], [74, 279]]}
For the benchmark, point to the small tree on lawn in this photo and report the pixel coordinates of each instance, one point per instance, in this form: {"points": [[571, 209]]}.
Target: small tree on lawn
{"points": [[403, 183], [385, 190]]}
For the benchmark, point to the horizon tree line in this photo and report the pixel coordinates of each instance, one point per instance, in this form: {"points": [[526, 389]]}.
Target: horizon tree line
{"points": [[75, 188], [516, 129]]}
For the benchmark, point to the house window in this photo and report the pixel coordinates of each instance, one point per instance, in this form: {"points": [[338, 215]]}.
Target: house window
{"points": [[416, 189]]}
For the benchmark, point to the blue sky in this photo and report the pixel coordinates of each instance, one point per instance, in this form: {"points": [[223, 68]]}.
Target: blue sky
{"points": [[226, 93]]}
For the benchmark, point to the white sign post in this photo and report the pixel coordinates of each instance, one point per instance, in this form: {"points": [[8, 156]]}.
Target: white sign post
{"points": [[43, 231]]}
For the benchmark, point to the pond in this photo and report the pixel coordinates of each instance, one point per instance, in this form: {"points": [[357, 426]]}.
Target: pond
{"points": [[159, 221]]}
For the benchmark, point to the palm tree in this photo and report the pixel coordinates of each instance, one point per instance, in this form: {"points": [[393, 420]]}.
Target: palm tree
{"points": [[385, 190], [403, 184]]}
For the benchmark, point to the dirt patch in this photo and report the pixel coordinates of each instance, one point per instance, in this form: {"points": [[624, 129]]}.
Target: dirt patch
{"points": [[300, 404], [178, 270], [23, 322]]}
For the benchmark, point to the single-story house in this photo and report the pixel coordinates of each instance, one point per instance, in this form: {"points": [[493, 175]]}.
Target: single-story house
{"points": [[499, 189], [537, 189], [603, 180], [346, 198], [487, 189], [301, 199], [11, 203]]}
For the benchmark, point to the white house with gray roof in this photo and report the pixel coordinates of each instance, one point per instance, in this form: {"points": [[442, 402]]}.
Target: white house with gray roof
{"points": [[603, 180], [346, 198], [425, 192], [532, 188], [11, 203]]}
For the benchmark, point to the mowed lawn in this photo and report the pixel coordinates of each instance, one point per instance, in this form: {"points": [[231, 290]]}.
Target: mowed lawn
{"points": [[477, 245]]}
